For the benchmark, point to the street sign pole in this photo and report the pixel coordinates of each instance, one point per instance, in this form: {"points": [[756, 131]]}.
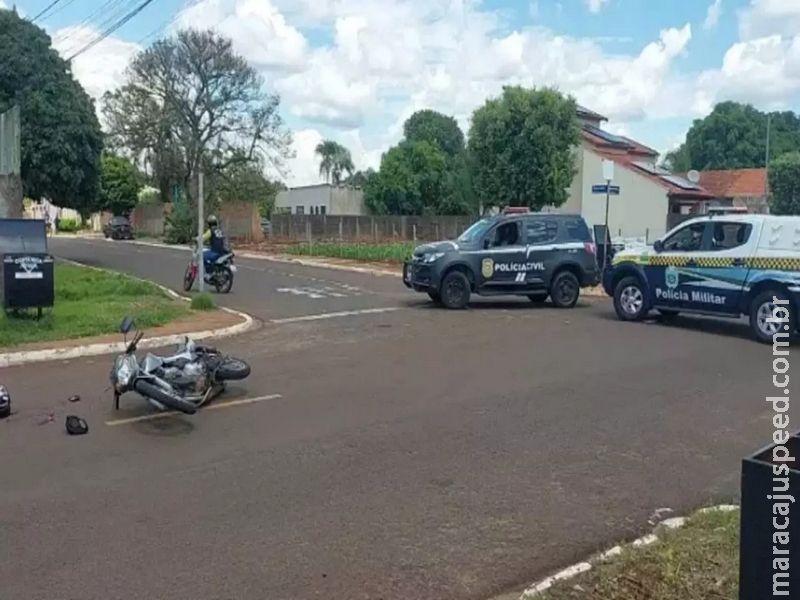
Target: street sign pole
{"points": [[608, 175], [201, 270]]}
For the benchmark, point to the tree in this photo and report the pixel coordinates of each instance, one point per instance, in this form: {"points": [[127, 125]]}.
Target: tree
{"points": [[334, 161], [246, 182], [522, 146], [437, 129], [734, 136], [784, 185], [120, 183], [60, 136], [191, 103], [359, 179], [412, 180]]}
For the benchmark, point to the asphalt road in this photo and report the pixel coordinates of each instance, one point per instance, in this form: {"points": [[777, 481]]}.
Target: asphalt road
{"points": [[415, 454]]}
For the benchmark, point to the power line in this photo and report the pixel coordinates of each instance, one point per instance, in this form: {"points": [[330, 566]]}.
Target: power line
{"points": [[119, 23], [59, 9], [48, 7], [106, 7]]}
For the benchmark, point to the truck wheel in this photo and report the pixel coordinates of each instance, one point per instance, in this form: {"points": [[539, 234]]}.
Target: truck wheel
{"points": [[455, 290], [565, 290], [436, 297], [763, 308], [630, 300]]}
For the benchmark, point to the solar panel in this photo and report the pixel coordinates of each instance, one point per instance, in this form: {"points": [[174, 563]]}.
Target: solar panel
{"points": [[651, 168], [680, 182], [609, 137]]}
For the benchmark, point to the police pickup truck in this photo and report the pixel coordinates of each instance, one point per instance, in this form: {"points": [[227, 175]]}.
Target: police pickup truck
{"points": [[722, 265], [515, 253]]}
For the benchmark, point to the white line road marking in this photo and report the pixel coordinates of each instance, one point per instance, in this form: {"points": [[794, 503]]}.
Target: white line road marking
{"points": [[335, 315], [218, 405]]}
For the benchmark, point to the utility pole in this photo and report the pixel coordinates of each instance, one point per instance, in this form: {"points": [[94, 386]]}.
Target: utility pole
{"points": [[766, 157], [201, 267]]}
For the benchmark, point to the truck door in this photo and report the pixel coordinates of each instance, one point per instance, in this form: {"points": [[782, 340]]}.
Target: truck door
{"points": [[540, 259], [677, 252], [716, 282], [503, 261]]}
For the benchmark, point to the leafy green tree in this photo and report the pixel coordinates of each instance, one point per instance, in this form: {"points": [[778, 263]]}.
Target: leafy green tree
{"points": [[334, 161], [412, 180], [360, 178], [437, 129], [61, 139], [246, 182], [120, 183], [734, 136], [522, 147], [784, 184]]}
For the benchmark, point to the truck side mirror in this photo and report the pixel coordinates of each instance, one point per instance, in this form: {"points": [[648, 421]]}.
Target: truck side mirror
{"points": [[487, 243], [658, 246]]}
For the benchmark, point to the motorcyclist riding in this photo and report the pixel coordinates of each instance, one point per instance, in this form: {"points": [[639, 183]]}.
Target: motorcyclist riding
{"points": [[214, 239]]}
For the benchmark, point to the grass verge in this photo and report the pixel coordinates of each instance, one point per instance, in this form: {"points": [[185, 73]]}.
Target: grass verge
{"points": [[204, 301], [90, 302], [699, 561], [389, 253]]}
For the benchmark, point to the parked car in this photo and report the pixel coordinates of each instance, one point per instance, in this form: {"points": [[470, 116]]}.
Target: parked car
{"points": [[266, 227], [725, 265], [118, 228], [517, 253]]}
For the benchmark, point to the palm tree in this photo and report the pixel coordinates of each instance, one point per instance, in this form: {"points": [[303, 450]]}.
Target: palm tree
{"points": [[335, 160]]}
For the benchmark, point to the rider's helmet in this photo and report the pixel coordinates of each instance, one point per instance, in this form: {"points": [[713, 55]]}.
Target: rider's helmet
{"points": [[212, 221]]}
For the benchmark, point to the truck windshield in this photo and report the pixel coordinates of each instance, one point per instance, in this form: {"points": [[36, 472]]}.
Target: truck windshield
{"points": [[475, 231]]}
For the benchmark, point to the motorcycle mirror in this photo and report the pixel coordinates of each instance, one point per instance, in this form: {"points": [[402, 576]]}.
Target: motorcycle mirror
{"points": [[126, 325]]}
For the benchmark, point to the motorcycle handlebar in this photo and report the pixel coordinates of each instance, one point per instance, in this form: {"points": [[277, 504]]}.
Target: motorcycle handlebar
{"points": [[136, 339]]}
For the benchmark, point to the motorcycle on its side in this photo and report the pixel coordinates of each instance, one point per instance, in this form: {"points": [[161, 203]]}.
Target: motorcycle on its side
{"points": [[182, 382], [219, 273]]}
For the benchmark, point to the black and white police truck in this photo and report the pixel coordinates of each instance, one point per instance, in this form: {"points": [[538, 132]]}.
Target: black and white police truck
{"points": [[515, 253]]}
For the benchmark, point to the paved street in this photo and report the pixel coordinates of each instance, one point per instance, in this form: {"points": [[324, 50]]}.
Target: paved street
{"points": [[415, 454]]}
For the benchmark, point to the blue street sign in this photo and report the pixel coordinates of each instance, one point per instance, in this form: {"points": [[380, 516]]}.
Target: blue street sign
{"points": [[603, 188]]}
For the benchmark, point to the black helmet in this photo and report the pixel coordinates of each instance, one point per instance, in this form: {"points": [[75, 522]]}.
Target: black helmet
{"points": [[212, 221]]}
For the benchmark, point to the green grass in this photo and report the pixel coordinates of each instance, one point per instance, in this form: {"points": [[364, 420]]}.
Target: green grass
{"points": [[699, 561], [393, 253], [88, 303], [204, 301]]}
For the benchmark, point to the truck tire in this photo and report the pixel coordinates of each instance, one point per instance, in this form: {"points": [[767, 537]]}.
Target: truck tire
{"points": [[435, 297], [762, 307], [455, 290], [630, 300], [160, 395], [539, 298], [565, 290]]}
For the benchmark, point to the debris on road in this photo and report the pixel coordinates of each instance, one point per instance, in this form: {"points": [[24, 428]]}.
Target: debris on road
{"points": [[76, 425], [5, 403]]}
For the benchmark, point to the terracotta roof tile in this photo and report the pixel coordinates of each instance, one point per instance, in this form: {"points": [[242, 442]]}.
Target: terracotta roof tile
{"points": [[735, 183]]}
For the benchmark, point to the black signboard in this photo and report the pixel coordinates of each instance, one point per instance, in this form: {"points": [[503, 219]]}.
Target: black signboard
{"points": [[27, 268]]}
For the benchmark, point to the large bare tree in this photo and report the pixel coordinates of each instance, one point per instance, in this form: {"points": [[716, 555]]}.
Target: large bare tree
{"points": [[191, 103]]}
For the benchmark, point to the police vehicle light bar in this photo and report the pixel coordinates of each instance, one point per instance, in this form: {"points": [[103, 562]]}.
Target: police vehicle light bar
{"points": [[726, 210], [515, 210]]}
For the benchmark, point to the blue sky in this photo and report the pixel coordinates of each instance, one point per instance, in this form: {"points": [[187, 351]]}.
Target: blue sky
{"points": [[354, 69]]}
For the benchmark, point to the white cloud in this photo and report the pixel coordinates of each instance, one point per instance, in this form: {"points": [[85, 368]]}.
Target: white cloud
{"points": [[384, 60], [712, 14], [595, 6]]}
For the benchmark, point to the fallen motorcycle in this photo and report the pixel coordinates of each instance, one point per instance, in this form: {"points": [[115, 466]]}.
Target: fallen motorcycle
{"points": [[219, 273], [183, 382]]}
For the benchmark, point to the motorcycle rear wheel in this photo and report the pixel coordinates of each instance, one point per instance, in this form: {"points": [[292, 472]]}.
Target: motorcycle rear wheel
{"points": [[232, 369], [223, 280]]}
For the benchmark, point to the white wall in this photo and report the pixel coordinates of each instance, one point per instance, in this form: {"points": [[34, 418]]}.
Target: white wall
{"points": [[347, 201], [307, 197], [640, 209]]}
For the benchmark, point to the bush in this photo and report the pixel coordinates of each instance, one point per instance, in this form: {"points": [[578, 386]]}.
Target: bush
{"points": [[69, 225], [181, 225], [784, 185], [204, 301]]}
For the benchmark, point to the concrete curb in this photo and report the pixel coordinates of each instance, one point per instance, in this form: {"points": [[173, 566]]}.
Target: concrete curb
{"points": [[9, 359], [582, 567]]}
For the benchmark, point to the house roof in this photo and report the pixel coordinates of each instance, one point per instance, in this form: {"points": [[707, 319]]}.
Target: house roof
{"points": [[615, 143], [735, 183], [628, 161], [585, 112]]}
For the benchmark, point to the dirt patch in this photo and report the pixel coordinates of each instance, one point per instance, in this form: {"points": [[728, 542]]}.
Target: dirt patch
{"points": [[197, 321]]}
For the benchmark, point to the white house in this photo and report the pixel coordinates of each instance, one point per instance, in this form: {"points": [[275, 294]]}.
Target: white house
{"points": [[647, 194], [321, 199]]}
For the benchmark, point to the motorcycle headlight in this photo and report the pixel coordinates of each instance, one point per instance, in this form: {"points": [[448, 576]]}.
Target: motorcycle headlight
{"points": [[124, 371], [433, 257]]}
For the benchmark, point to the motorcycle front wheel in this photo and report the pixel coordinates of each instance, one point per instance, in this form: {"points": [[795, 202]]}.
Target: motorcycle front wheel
{"points": [[232, 369], [223, 280], [170, 400], [188, 279]]}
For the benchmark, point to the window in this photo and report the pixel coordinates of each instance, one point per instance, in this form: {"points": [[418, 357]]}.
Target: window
{"points": [[507, 234], [299, 210], [322, 210], [578, 231], [541, 232], [687, 239], [726, 236]]}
